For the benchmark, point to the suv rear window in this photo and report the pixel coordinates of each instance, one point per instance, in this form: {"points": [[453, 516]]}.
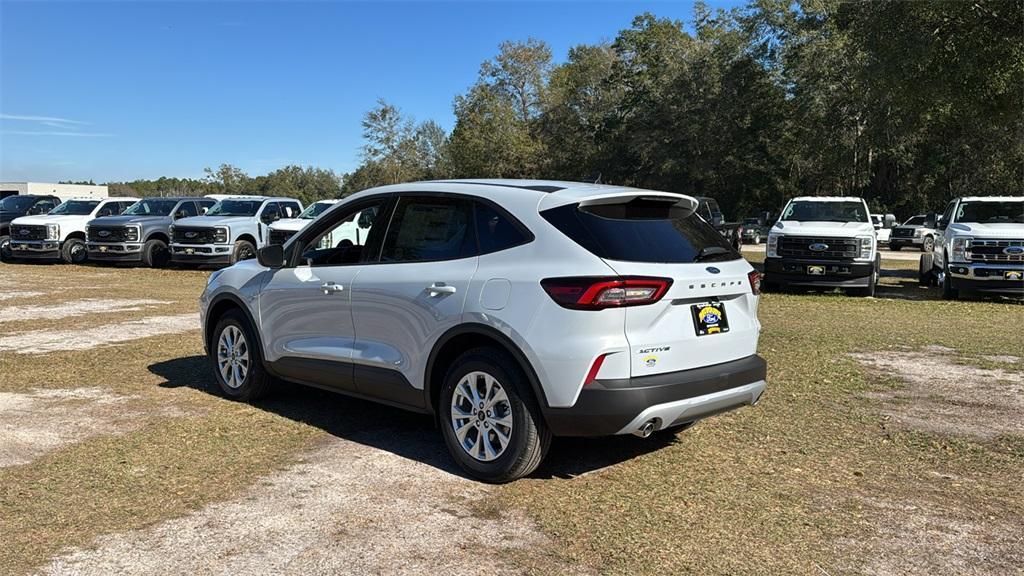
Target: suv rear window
{"points": [[641, 230]]}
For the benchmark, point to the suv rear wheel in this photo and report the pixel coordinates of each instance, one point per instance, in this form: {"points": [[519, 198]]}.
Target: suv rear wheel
{"points": [[235, 353], [490, 419]]}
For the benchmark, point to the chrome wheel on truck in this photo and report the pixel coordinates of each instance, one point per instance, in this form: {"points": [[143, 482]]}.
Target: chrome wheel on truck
{"points": [[481, 416]]}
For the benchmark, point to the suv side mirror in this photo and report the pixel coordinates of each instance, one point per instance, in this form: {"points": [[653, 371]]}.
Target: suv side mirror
{"points": [[271, 256]]}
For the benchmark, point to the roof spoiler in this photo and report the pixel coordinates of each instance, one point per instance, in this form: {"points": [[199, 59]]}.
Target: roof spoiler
{"points": [[686, 204]]}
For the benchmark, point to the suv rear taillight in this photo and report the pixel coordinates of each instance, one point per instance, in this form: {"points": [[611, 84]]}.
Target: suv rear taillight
{"points": [[754, 277], [590, 293]]}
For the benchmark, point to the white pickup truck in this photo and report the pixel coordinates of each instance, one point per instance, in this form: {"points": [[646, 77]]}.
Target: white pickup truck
{"points": [[60, 233], [979, 247], [230, 231], [285, 228], [823, 241]]}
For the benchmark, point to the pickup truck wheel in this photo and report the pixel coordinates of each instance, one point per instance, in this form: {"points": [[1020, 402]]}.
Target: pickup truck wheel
{"points": [[490, 419], [948, 291], [895, 247], [6, 255], [925, 270], [243, 250], [74, 251], [237, 361], [757, 239], [155, 254], [928, 245]]}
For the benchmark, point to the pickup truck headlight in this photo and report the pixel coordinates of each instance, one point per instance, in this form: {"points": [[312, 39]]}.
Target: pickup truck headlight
{"points": [[866, 247], [919, 232], [773, 246], [960, 246], [52, 231], [220, 236], [132, 234]]}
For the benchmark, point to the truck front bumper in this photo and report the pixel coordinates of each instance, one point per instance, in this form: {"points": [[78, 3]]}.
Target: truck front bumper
{"points": [[625, 406], [902, 241], [834, 273], [1000, 278], [37, 249], [115, 252], [201, 253]]}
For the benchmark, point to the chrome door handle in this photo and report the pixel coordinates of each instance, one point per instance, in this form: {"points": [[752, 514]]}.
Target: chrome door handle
{"points": [[331, 287], [439, 288]]}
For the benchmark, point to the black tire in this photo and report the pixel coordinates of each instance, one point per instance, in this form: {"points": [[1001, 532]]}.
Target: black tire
{"points": [[895, 247], [948, 291], [243, 250], [155, 254], [256, 383], [74, 251], [928, 245], [925, 272], [529, 438], [6, 255]]}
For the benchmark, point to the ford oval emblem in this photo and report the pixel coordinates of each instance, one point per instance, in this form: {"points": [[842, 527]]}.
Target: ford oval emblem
{"points": [[104, 233], [712, 269], [190, 234], [25, 232], [1013, 250], [818, 247]]}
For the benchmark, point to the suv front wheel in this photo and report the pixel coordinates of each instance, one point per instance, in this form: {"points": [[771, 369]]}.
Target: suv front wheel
{"points": [[235, 353], [490, 419]]}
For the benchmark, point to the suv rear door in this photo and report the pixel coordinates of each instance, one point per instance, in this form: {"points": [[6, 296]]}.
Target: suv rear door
{"points": [[648, 237], [413, 294]]}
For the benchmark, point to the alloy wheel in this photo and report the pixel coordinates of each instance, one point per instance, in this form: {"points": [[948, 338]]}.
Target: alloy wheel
{"points": [[233, 356], [481, 416]]}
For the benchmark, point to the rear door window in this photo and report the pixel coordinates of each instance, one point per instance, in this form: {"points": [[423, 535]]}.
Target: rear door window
{"points": [[641, 230], [430, 228]]}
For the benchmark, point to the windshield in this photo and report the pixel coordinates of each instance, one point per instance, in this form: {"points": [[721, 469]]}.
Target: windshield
{"points": [[17, 203], [750, 222], [151, 207], [1009, 212], [915, 221], [235, 208], [815, 211], [314, 210], [75, 208]]}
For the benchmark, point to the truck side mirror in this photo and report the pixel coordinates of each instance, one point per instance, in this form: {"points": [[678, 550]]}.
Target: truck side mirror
{"points": [[716, 220], [271, 256], [890, 221]]}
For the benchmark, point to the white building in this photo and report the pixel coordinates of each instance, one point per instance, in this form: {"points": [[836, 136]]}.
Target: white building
{"points": [[62, 191]]}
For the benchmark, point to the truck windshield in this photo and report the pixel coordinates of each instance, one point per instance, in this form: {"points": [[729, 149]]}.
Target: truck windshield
{"points": [[151, 207], [230, 207], [75, 208], [314, 210], [1010, 212], [915, 221], [813, 211], [641, 230], [16, 203]]}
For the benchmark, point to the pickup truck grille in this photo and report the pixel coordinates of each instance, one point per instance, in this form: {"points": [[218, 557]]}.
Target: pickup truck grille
{"points": [[28, 232], [108, 234], [183, 235], [280, 236], [996, 251], [902, 232], [800, 247]]}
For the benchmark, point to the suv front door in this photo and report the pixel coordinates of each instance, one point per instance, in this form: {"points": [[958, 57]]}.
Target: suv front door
{"points": [[412, 295], [305, 308]]}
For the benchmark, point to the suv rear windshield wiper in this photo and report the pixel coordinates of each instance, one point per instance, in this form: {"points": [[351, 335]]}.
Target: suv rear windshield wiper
{"points": [[709, 251]]}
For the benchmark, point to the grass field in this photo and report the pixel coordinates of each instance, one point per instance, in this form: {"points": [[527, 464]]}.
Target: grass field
{"points": [[891, 440]]}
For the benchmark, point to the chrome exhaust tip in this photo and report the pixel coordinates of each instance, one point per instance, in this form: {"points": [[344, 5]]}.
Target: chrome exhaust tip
{"points": [[646, 430]]}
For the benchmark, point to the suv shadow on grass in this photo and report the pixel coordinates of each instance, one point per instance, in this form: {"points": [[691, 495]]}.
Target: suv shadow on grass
{"points": [[401, 432]]}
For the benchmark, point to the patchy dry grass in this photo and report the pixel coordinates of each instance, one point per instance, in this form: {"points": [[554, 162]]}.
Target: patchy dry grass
{"points": [[823, 476]]}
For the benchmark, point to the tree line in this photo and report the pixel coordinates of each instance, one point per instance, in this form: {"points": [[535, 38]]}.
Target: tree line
{"points": [[907, 104]]}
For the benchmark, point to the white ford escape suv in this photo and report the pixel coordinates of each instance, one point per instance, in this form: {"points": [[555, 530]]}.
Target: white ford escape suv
{"points": [[511, 310]]}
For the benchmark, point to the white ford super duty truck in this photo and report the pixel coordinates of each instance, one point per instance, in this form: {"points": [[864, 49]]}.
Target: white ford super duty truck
{"points": [[60, 233], [979, 247], [823, 241], [230, 231]]}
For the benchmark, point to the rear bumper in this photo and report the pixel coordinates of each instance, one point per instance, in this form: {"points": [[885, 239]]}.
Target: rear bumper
{"points": [[201, 253], [990, 278], [115, 252], [39, 249], [838, 273], [607, 407]]}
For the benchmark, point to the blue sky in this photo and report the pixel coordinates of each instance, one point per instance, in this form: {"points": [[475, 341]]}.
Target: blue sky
{"points": [[123, 90]]}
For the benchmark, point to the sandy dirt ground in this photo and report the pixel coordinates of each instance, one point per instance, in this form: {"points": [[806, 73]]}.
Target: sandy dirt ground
{"points": [[347, 508], [74, 308], [46, 341]]}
